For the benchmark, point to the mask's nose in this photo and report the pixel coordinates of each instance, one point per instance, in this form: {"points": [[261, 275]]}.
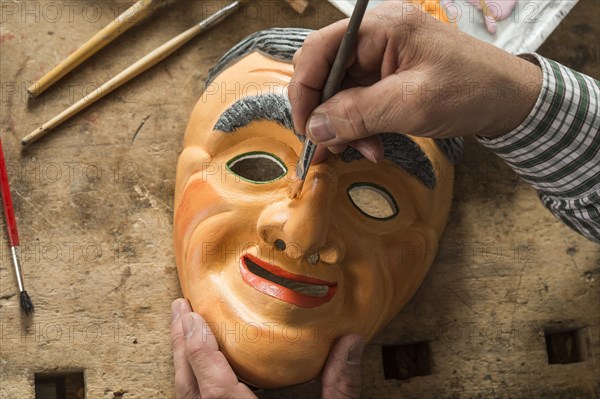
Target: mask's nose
{"points": [[302, 227]]}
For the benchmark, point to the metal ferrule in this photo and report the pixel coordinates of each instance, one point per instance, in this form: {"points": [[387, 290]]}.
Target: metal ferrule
{"points": [[219, 15], [17, 265], [306, 157]]}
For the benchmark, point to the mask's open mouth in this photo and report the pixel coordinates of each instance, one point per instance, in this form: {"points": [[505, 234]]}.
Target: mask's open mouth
{"points": [[303, 291]]}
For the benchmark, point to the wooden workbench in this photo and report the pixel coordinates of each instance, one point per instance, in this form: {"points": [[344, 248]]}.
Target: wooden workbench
{"points": [[94, 204]]}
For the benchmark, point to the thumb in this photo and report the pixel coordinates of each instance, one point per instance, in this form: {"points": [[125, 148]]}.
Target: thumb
{"points": [[360, 112], [341, 375]]}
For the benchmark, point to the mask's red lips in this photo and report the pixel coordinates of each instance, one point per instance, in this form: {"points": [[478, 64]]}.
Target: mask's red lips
{"points": [[303, 291]]}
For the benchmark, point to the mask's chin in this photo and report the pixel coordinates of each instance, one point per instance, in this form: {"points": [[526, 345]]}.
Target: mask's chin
{"points": [[270, 341]]}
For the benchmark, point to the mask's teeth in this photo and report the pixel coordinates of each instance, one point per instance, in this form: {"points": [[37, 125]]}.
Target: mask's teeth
{"points": [[303, 288]]}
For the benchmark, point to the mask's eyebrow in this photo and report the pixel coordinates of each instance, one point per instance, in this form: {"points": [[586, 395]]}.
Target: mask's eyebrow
{"points": [[407, 154], [403, 152], [270, 107]]}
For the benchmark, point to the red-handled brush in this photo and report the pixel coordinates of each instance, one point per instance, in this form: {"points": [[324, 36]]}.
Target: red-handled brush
{"points": [[13, 233]]}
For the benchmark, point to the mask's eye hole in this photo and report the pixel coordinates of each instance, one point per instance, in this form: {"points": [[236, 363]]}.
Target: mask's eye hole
{"points": [[373, 201], [257, 167]]}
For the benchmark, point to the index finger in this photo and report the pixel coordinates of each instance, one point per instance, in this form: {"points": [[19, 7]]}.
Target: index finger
{"points": [[312, 64]]}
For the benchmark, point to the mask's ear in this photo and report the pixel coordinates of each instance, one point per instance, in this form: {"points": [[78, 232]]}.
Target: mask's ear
{"points": [[192, 160]]}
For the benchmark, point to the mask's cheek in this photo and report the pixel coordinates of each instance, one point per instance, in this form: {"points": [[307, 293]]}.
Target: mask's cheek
{"points": [[191, 161], [364, 289], [365, 285], [200, 203], [207, 254], [409, 257], [382, 274]]}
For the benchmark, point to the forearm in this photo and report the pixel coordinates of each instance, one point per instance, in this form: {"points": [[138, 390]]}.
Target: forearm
{"points": [[557, 148]]}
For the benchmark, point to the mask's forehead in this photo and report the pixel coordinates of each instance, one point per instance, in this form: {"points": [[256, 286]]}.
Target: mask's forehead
{"points": [[253, 75]]}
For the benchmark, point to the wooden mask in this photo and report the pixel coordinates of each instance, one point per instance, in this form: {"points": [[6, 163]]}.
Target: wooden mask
{"points": [[278, 279]]}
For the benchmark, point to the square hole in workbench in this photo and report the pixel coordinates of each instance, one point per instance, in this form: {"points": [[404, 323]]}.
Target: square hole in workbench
{"points": [[563, 347], [402, 362], [69, 385]]}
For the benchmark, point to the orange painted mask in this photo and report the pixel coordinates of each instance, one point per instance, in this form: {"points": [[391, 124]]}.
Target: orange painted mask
{"points": [[278, 279]]}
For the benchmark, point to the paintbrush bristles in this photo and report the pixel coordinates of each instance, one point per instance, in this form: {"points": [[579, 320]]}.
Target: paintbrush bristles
{"points": [[26, 304]]}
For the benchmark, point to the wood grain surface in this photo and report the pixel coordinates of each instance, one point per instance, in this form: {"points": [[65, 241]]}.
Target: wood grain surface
{"points": [[94, 206]]}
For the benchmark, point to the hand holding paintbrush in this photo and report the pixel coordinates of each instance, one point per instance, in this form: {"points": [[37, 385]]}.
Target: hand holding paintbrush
{"points": [[13, 234], [332, 86]]}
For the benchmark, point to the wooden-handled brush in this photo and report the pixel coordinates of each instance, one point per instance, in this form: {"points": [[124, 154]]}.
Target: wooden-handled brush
{"points": [[110, 32], [143, 64]]}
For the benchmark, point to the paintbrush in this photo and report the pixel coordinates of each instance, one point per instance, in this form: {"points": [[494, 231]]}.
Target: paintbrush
{"points": [[143, 64], [332, 86], [13, 234]]}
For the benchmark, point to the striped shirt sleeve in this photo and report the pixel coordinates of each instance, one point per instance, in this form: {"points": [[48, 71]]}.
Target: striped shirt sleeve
{"points": [[557, 148]]}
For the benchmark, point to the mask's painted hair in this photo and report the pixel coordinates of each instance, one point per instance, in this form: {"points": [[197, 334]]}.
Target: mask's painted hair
{"points": [[277, 43]]}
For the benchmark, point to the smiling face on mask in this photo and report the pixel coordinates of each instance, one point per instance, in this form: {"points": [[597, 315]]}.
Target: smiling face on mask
{"points": [[278, 279]]}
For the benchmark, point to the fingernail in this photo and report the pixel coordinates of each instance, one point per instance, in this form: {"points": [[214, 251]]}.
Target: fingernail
{"points": [[337, 149], [366, 150], [320, 128], [369, 154], [355, 353], [189, 325], [175, 310]]}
